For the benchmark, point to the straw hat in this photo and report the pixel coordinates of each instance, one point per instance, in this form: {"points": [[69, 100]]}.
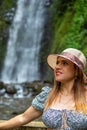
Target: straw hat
{"points": [[74, 55]]}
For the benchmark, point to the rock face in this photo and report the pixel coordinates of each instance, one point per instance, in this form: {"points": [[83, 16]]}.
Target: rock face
{"points": [[10, 107], [13, 103], [7, 11], [23, 89]]}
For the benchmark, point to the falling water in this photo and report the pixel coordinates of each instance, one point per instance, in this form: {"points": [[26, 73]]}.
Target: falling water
{"points": [[21, 62]]}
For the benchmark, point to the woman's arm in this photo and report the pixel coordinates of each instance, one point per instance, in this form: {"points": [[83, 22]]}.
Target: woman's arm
{"points": [[30, 114]]}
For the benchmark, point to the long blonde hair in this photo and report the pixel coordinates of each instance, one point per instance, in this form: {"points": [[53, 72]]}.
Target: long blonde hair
{"points": [[79, 93]]}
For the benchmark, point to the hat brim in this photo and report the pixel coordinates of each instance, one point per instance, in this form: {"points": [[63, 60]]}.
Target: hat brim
{"points": [[52, 59]]}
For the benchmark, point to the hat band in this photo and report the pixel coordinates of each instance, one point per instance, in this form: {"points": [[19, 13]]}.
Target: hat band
{"points": [[73, 58]]}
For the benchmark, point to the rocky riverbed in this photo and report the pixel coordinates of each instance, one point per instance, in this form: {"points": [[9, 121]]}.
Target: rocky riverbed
{"points": [[9, 107], [16, 98]]}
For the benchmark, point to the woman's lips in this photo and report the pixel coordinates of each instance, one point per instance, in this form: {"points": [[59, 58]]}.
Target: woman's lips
{"points": [[58, 73]]}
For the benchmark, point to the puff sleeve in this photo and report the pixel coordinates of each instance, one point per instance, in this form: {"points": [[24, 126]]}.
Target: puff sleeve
{"points": [[39, 101]]}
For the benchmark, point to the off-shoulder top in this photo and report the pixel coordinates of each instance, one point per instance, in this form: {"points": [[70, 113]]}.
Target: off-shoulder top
{"points": [[59, 119]]}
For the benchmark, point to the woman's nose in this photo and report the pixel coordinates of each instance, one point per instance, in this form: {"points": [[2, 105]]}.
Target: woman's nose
{"points": [[58, 65]]}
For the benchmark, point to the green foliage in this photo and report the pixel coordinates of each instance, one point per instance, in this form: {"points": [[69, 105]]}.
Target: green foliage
{"points": [[70, 29], [76, 36], [61, 21], [76, 31], [60, 31], [5, 6]]}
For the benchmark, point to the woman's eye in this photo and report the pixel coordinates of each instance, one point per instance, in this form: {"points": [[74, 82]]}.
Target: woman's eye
{"points": [[61, 62], [65, 63]]}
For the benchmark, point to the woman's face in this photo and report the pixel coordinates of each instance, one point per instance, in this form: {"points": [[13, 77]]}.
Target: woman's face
{"points": [[64, 70]]}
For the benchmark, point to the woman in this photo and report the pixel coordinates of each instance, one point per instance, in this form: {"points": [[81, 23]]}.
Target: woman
{"points": [[64, 107]]}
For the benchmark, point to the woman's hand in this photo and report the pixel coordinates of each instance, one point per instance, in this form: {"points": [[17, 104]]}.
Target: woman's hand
{"points": [[30, 114]]}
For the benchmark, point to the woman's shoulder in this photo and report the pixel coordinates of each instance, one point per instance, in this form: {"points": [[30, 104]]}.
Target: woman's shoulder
{"points": [[39, 101]]}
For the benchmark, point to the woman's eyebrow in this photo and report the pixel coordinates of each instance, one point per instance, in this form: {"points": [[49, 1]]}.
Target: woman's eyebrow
{"points": [[64, 60]]}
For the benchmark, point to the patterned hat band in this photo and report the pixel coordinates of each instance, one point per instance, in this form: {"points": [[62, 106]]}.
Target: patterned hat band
{"points": [[72, 54], [73, 58]]}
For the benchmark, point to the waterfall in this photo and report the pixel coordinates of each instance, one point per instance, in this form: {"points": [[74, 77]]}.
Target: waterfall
{"points": [[25, 34]]}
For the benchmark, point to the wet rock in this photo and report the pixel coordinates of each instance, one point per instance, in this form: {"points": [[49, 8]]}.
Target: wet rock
{"points": [[9, 15], [48, 2], [2, 85], [2, 92], [10, 89], [25, 91]]}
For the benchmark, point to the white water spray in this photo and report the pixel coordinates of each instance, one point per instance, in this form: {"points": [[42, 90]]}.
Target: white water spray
{"points": [[21, 62]]}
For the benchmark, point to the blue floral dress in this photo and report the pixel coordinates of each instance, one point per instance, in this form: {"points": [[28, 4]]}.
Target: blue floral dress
{"points": [[59, 119]]}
